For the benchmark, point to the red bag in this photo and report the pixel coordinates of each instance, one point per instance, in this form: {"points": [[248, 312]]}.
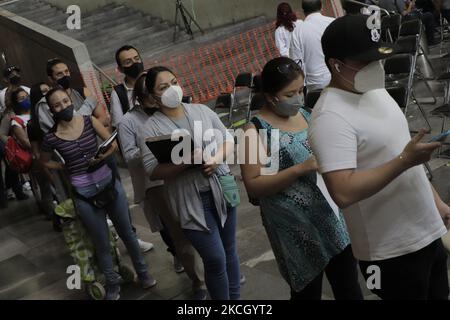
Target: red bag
{"points": [[18, 158]]}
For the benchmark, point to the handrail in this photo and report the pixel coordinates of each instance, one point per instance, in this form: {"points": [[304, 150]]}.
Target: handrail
{"points": [[96, 67], [8, 2]]}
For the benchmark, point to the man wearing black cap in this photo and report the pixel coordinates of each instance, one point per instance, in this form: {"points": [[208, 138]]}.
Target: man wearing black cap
{"points": [[373, 171], [12, 77]]}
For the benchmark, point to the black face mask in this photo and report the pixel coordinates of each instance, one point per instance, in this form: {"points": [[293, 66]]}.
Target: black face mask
{"points": [[14, 80], [134, 70], [64, 82], [64, 115]]}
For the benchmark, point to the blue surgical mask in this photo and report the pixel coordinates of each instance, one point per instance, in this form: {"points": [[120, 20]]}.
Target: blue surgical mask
{"points": [[25, 104]]}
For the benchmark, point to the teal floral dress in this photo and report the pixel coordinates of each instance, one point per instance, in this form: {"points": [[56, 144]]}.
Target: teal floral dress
{"points": [[303, 230]]}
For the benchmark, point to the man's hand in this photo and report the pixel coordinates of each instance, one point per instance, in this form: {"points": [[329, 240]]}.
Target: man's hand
{"points": [[416, 152], [444, 211]]}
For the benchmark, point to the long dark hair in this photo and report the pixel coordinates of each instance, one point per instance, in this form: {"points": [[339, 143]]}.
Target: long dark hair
{"points": [[285, 16]]}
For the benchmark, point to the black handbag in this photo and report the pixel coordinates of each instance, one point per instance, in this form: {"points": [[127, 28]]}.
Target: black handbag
{"points": [[104, 198]]}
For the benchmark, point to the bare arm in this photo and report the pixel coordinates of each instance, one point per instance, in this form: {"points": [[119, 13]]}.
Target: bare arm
{"points": [[104, 134], [21, 137], [259, 185], [351, 186], [47, 162]]}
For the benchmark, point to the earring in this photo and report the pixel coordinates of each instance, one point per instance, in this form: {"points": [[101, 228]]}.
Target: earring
{"points": [[338, 68]]}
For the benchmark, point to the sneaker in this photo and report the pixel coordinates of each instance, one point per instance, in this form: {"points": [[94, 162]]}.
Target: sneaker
{"points": [[177, 265], [243, 279], [147, 281], [200, 294], [110, 223], [145, 246], [26, 186], [113, 292]]}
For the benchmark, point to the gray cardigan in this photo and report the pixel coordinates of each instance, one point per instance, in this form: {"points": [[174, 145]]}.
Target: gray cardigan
{"points": [[183, 191]]}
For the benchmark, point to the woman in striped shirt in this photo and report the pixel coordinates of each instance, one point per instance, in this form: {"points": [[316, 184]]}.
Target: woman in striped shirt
{"points": [[75, 138]]}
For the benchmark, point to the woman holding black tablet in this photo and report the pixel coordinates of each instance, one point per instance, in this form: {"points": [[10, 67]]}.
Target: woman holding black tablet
{"points": [[97, 191]]}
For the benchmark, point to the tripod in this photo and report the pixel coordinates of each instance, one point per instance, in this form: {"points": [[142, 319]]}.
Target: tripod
{"points": [[181, 9]]}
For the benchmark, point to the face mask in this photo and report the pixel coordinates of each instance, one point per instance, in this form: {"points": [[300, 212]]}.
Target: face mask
{"points": [[134, 70], [172, 97], [64, 115], [25, 104], [371, 77], [289, 107], [64, 82], [14, 80]]}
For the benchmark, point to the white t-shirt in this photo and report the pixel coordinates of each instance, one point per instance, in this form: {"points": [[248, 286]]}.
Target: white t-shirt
{"points": [[306, 46], [351, 131], [3, 96], [25, 118], [283, 38]]}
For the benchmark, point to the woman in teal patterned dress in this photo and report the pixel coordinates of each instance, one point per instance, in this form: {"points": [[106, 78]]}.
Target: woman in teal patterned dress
{"points": [[307, 237]]}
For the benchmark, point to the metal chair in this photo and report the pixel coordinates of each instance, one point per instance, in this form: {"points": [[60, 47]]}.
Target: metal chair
{"points": [[390, 27], [400, 73], [311, 99], [400, 95]]}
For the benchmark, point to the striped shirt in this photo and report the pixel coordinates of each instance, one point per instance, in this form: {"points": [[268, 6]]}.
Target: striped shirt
{"points": [[77, 153]]}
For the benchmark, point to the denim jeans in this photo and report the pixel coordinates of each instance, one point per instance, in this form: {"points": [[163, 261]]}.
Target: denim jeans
{"points": [[218, 251], [95, 221]]}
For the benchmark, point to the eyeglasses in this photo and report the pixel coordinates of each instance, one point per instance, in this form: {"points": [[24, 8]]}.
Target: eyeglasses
{"points": [[290, 67]]}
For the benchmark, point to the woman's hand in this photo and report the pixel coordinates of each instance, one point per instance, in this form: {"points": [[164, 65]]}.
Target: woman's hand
{"points": [[310, 165], [96, 160], [210, 168]]}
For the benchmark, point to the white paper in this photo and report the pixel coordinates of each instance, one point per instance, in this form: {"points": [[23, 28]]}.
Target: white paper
{"points": [[324, 190]]}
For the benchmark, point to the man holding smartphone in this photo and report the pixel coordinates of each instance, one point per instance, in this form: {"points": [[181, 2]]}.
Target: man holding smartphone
{"points": [[373, 169]]}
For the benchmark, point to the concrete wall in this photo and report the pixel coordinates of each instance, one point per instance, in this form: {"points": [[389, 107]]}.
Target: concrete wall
{"points": [[30, 45], [208, 13]]}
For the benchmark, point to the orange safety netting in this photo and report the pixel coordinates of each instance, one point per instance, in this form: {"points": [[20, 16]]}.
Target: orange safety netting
{"points": [[207, 71]]}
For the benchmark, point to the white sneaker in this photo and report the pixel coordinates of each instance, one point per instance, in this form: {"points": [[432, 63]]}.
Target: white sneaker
{"points": [[145, 246], [110, 223]]}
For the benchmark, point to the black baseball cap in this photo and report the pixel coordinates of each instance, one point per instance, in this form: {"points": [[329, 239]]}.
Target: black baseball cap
{"points": [[9, 70], [350, 37]]}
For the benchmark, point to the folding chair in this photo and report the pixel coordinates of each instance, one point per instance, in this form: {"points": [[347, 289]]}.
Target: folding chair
{"points": [[311, 99], [400, 95], [400, 72], [390, 27], [415, 28]]}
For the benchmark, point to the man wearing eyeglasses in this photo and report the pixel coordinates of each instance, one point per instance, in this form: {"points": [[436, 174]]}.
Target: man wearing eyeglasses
{"points": [[373, 169], [306, 48]]}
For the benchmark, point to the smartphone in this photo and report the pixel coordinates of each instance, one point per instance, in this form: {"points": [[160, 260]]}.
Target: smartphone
{"points": [[441, 137]]}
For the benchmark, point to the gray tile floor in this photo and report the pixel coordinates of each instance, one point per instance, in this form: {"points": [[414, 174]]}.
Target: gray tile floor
{"points": [[34, 258]]}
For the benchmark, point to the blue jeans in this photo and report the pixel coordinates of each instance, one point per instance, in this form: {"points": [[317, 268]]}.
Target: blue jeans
{"points": [[218, 251], [94, 220]]}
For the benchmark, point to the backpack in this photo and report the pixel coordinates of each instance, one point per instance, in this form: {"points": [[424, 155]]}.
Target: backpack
{"points": [[123, 97], [18, 158]]}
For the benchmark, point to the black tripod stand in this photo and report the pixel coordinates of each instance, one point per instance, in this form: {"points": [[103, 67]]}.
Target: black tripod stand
{"points": [[181, 9]]}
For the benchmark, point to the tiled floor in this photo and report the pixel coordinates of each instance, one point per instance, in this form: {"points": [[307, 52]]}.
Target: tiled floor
{"points": [[34, 258]]}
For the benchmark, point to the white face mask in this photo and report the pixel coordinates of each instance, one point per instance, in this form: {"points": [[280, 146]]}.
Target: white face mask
{"points": [[369, 78], [172, 97]]}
